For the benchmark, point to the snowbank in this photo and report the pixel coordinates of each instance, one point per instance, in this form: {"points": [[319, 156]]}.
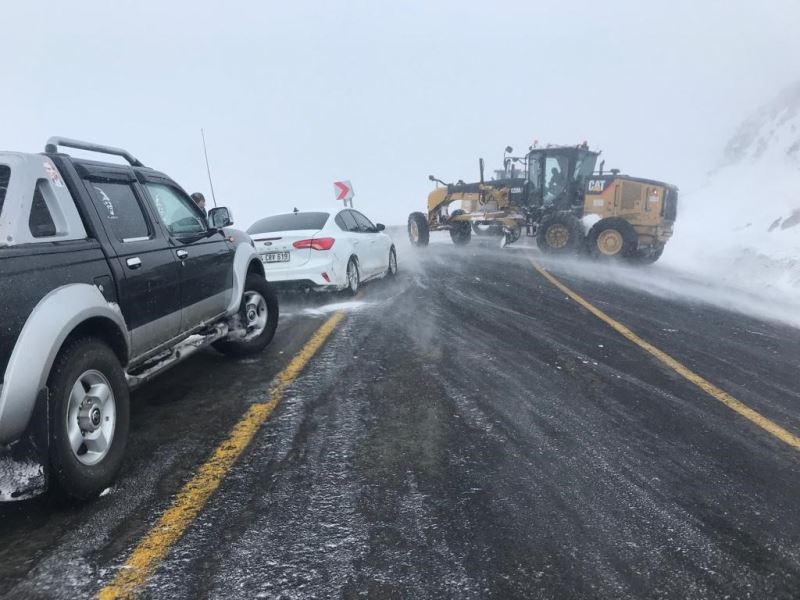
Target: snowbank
{"points": [[732, 231], [742, 229]]}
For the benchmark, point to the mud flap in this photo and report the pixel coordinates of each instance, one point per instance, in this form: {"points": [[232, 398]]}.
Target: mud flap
{"points": [[24, 463]]}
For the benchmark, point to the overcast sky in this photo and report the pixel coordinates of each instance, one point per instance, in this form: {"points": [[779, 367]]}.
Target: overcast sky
{"points": [[294, 95]]}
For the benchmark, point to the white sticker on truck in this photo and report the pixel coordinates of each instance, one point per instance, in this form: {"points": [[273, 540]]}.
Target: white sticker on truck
{"points": [[52, 174]]}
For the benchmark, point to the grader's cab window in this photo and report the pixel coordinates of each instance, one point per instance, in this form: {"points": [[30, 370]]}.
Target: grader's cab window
{"points": [[535, 175], [556, 171], [584, 167]]}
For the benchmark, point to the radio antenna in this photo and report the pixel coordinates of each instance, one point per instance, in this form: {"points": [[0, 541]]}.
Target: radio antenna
{"points": [[208, 169]]}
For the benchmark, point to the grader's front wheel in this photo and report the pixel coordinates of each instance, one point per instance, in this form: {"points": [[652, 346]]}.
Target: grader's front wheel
{"points": [[460, 231], [418, 230]]}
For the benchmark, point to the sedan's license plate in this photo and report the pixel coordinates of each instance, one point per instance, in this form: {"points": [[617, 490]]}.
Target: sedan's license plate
{"points": [[273, 257]]}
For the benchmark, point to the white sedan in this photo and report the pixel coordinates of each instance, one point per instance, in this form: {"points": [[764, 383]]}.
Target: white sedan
{"points": [[323, 250]]}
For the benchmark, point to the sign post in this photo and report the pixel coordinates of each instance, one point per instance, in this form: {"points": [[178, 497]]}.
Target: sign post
{"points": [[344, 191]]}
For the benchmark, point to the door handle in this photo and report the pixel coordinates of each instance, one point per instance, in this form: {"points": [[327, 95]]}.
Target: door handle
{"points": [[182, 254], [134, 263]]}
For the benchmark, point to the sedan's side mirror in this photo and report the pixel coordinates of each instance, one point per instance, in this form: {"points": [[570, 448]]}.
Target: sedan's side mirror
{"points": [[379, 226], [220, 217]]}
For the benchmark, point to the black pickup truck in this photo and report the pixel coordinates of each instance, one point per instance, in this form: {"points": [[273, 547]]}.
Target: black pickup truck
{"points": [[110, 274]]}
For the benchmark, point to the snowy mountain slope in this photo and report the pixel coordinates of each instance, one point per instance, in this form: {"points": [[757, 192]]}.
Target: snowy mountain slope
{"points": [[773, 127], [742, 228]]}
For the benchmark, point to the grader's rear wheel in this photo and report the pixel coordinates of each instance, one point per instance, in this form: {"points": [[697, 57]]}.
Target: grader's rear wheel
{"points": [[647, 257], [612, 238]]}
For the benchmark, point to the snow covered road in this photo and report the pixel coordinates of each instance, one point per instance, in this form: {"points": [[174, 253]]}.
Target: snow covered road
{"points": [[467, 431]]}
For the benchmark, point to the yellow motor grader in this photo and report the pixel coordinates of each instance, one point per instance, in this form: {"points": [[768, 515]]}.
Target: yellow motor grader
{"points": [[559, 198]]}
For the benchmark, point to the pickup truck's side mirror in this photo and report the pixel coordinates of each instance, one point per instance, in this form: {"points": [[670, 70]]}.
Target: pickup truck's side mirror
{"points": [[379, 226], [220, 217]]}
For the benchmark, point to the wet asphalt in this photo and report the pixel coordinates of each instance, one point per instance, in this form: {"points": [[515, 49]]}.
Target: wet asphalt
{"points": [[467, 432]]}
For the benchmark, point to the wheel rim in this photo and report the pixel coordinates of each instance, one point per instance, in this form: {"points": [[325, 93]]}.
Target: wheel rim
{"points": [[557, 236], [255, 314], [413, 231], [91, 417], [392, 263], [352, 276], [610, 242]]}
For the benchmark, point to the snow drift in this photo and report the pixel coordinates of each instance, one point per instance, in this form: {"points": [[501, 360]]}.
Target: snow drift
{"points": [[742, 228]]}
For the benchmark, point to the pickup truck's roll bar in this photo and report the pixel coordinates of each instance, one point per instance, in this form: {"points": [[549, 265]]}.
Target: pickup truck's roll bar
{"points": [[54, 142]]}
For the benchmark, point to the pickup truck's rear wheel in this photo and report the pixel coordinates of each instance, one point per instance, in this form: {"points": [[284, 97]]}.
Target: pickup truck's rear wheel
{"points": [[89, 418], [258, 317]]}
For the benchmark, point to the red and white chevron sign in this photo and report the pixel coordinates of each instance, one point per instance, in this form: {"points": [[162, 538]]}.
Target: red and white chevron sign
{"points": [[343, 190]]}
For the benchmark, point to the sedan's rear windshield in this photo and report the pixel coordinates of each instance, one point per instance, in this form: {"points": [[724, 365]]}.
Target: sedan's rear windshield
{"points": [[290, 222], [5, 175]]}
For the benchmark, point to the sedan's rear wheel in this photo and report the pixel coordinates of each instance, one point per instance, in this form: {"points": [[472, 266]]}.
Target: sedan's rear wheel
{"points": [[392, 270], [353, 277]]}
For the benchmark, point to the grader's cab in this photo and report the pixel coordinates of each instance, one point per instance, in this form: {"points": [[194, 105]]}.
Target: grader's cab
{"points": [[558, 197], [557, 176]]}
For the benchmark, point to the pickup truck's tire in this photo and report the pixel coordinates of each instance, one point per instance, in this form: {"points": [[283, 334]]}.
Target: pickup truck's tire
{"points": [[259, 310], [89, 418]]}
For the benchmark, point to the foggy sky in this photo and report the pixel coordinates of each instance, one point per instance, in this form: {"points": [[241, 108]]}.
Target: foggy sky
{"points": [[293, 95]]}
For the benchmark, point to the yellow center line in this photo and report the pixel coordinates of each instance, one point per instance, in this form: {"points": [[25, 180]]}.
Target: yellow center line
{"points": [[169, 528], [712, 390]]}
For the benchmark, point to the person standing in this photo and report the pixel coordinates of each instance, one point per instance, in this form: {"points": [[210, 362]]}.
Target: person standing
{"points": [[200, 200]]}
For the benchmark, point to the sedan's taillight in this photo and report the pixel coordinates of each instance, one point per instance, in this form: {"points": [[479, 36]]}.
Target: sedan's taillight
{"points": [[315, 244]]}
